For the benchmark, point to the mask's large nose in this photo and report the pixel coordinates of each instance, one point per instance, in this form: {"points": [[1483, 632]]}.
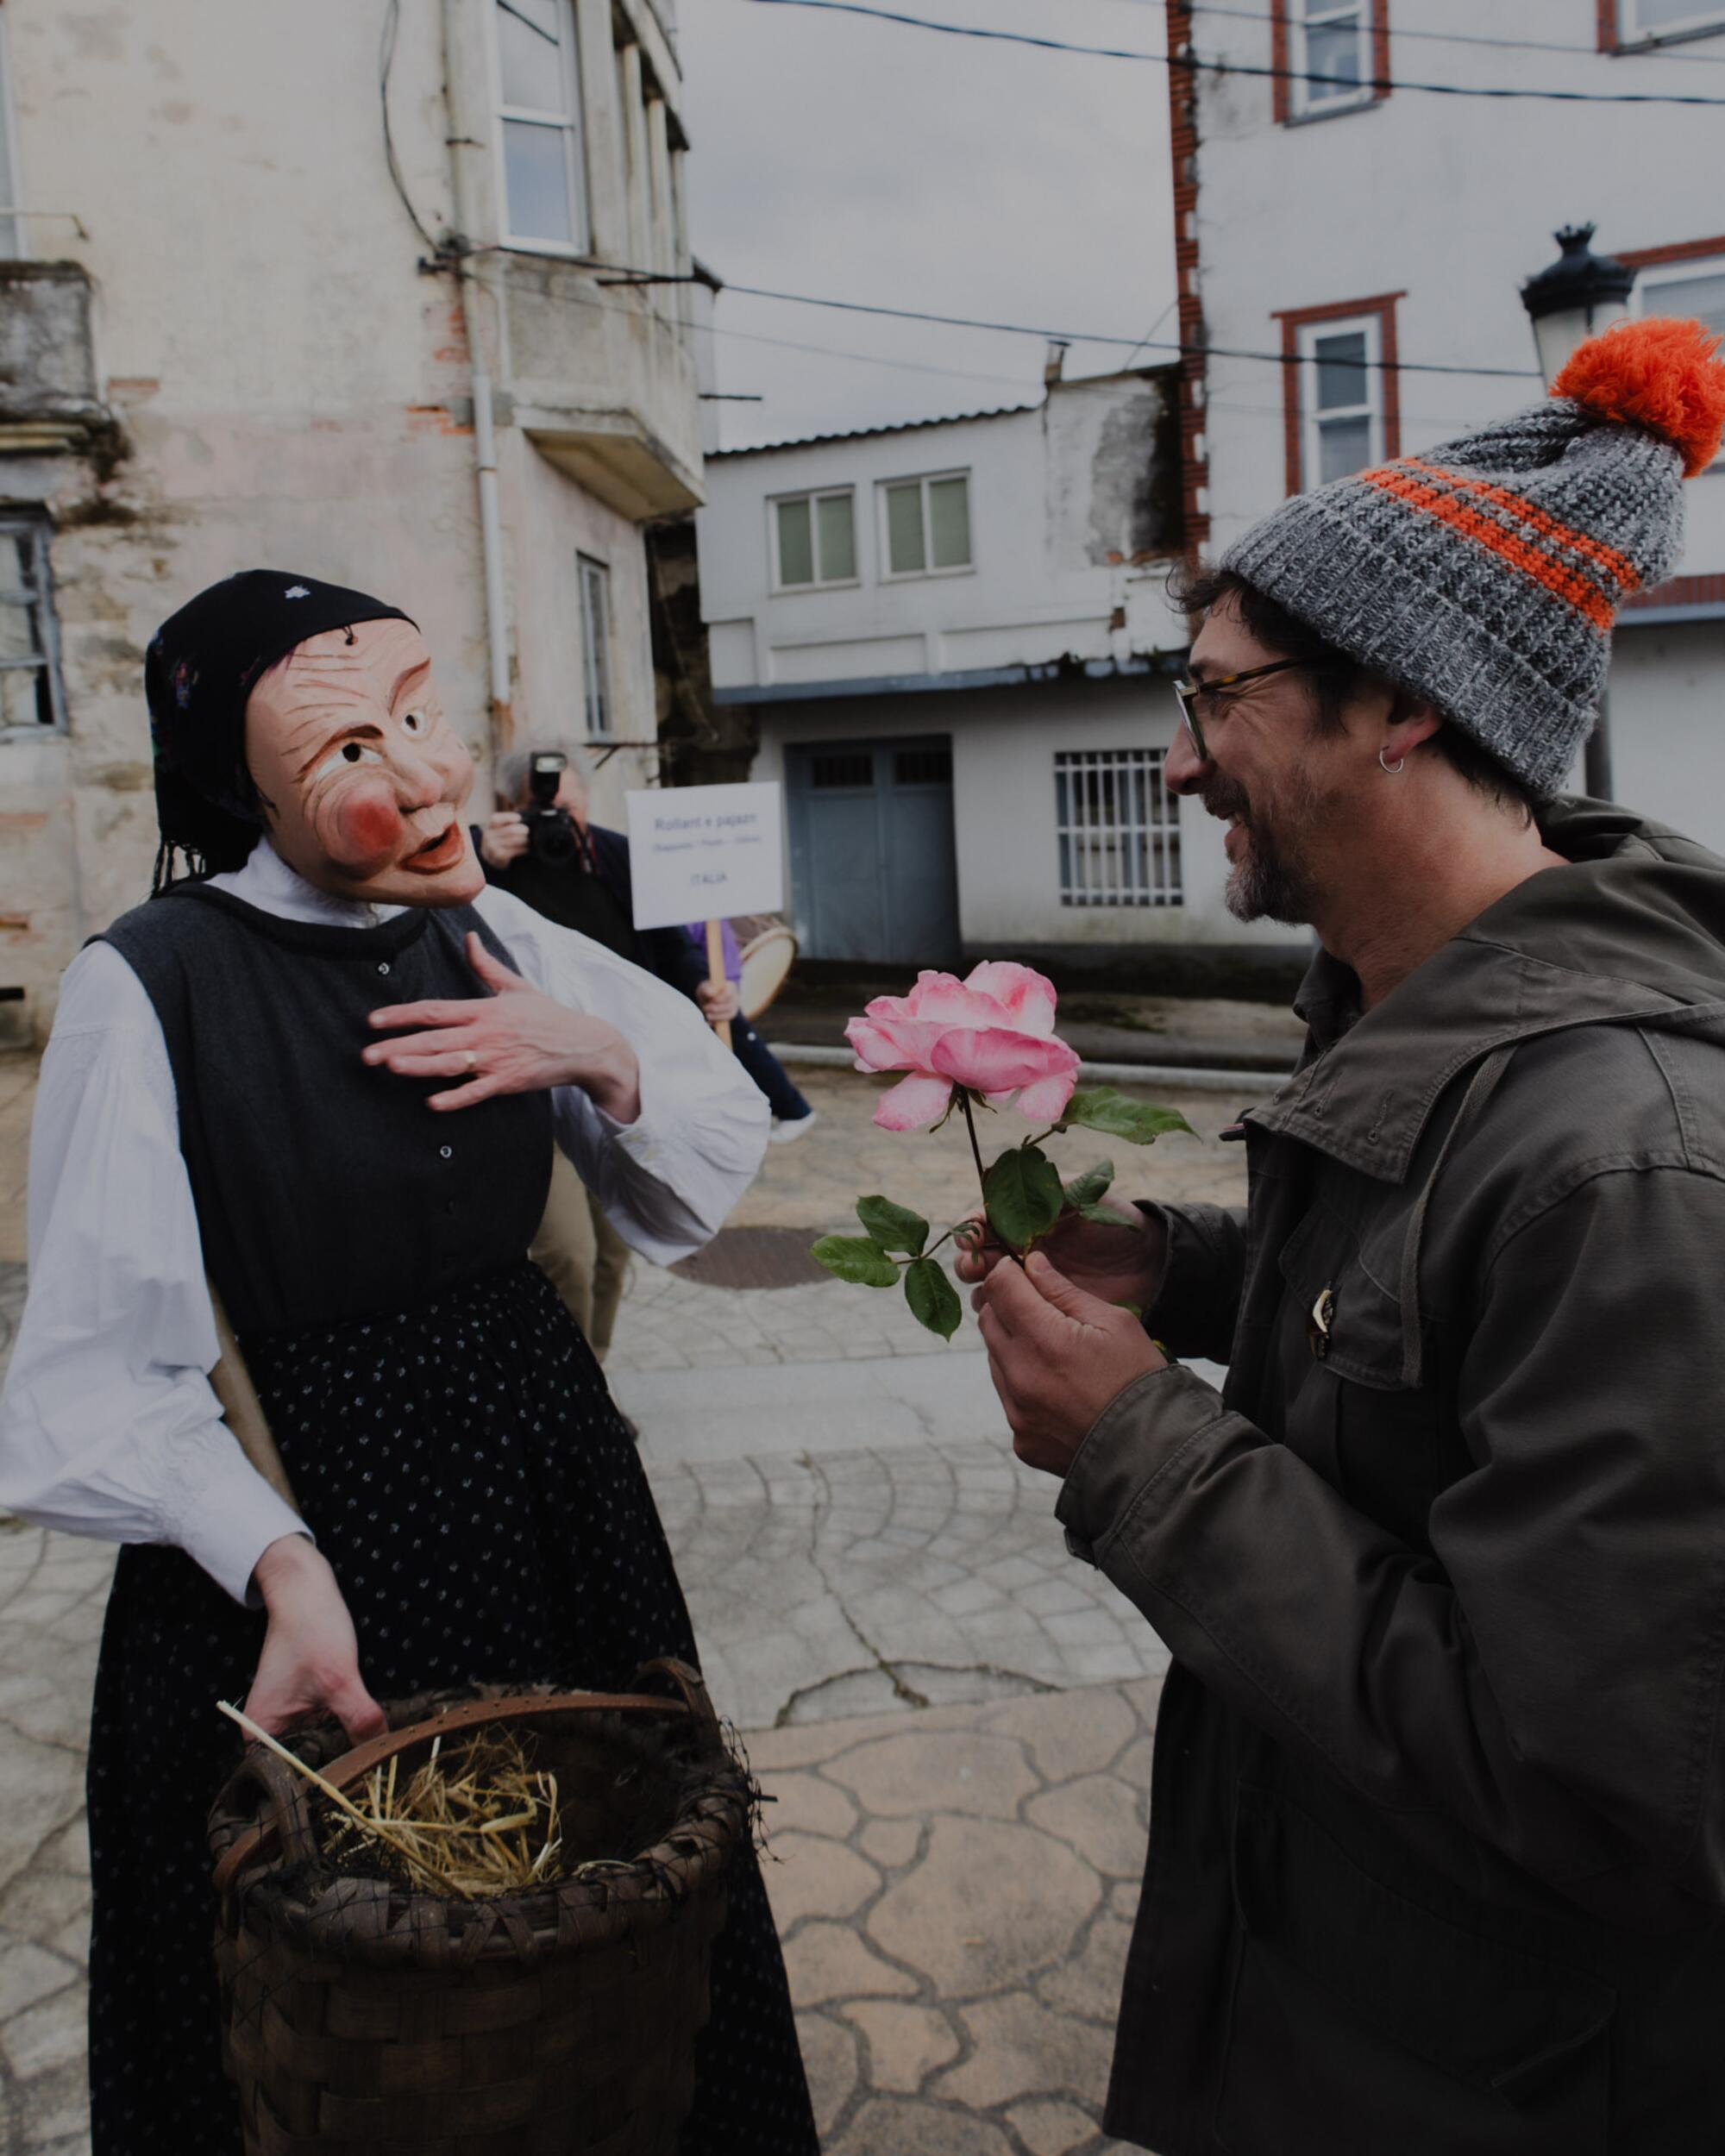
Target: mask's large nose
{"points": [[1183, 768]]}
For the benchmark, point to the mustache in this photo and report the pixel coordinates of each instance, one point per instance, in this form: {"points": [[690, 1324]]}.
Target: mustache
{"points": [[1226, 797]]}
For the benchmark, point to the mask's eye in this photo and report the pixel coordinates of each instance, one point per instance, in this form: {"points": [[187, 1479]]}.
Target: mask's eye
{"points": [[416, 723], [350, 752]]}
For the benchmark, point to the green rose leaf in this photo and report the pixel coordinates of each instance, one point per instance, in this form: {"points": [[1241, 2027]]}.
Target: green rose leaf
{"points": [[1106, 1216], [856, 1258], [1023, 1196], [1101, 1108], [1084, 1190], [894, 1227], [932, 1298]]}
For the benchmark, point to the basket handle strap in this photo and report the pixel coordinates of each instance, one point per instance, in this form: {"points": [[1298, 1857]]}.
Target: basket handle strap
{"points": [[289, 1815], [284, 1813]]}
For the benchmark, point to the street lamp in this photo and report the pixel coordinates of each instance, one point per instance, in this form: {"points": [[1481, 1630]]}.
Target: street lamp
{"points": [[1574, 299], [1569, 303]]}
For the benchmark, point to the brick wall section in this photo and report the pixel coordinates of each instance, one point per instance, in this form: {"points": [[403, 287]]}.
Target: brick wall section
{"points": [[1641, 258], [1182, 114], [1679, 591], [1608, 26]]}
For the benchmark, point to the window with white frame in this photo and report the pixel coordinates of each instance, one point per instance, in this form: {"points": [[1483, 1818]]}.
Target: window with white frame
{"points": [[1118, 827], [595, 580], [1690, 291], [539, 125], [814, 538], [1329, 44], [30, 692], [1341, 397], [1645, 22], [11, 225], [925, 524]]}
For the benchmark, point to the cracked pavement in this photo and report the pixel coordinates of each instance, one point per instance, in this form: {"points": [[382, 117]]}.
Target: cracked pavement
{"points": [[951, 1715]]}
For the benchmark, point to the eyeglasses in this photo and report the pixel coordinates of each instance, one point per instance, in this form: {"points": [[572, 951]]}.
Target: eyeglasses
{"points": [[1189, 692]]}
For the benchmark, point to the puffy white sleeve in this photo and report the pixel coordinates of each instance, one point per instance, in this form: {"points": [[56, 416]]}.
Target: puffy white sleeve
{"points": [[668, 1180], [108, 1424]]}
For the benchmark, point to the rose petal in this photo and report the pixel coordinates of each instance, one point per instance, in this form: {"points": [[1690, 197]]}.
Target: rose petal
{"points": [[892, 1043], [913, 1103], [1026, 997], [1046, 1101], [997, 1061]]}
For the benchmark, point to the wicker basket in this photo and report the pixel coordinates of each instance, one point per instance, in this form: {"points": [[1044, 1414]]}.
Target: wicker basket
{"points": [[361, 2015]]}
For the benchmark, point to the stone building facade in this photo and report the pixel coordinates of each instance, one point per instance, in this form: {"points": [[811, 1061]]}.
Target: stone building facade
{"points": [[268, 268]]}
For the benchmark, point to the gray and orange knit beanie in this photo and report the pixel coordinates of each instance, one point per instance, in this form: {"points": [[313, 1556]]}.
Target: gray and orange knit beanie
{"points": [[1485, 576]]}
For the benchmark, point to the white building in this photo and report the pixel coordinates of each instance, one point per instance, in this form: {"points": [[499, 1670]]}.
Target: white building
{"points": [[224, 343], [955, 638], [1337, 243]]}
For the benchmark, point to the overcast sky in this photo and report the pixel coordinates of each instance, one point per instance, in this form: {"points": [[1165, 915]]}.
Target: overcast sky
{"points": [[861, 160]]}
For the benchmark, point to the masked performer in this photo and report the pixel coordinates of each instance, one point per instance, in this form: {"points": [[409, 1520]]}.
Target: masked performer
{"points": [[328, 1065]]}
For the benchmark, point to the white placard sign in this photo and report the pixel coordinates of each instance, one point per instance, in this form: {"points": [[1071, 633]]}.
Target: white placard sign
{"points": [[704, 853]]}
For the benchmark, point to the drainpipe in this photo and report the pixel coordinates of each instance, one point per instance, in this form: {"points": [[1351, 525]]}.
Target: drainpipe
{"points": [[485, 433], [491, 527]]}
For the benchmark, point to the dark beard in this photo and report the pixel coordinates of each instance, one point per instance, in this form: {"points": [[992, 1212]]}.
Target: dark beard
{"points": [[1265, 886]]}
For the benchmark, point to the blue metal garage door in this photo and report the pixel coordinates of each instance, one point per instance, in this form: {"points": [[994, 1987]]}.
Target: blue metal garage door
{"points": [[874, 871]]}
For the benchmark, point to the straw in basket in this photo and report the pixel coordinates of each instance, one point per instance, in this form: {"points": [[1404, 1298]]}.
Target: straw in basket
{"points": [[364, 2015]]}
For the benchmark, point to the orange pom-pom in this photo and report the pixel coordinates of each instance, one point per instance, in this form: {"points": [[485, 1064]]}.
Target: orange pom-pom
{"points": [[1662, 375]]}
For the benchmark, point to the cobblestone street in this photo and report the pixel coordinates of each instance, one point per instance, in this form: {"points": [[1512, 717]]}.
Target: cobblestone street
{"points": [[951, 1716]]}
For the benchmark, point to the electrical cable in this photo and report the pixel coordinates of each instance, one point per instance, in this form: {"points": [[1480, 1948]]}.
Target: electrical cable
{"points": [[627, 279], [1196, 63], [1092, 336], [392, 25], [1400, 33]]}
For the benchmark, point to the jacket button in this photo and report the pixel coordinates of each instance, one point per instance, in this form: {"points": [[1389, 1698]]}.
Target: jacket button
{"points": [[446, 1152], [383, 965]]}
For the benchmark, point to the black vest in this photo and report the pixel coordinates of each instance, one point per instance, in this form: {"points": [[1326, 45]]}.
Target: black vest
{"points": [[326, 1189]]}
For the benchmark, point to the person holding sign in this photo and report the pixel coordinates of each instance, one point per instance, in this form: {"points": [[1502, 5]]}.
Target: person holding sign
{"points": [[319, 1077], [792, 1117]]}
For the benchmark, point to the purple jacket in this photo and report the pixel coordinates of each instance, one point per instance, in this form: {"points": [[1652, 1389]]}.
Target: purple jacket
{"points": [[696, 932]]}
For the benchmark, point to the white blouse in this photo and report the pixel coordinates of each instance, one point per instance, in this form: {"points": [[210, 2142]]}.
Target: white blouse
{"points": [[108, 1424]]}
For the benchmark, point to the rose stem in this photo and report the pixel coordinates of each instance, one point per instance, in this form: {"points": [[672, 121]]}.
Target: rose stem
{"points": [[976, 1149]]}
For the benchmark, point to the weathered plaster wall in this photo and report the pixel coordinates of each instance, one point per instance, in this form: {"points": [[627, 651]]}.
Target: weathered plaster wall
{"points": [[291, 387]]}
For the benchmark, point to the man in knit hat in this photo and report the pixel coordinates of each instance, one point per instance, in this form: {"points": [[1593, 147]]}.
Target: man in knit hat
{"points": [[1437, 1822]]}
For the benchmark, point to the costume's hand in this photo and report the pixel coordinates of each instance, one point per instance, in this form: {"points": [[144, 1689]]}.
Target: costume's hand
{"points": [[310, 1667], [1058, 1356], [504, 838], [1122, 1264], [718, 1001], [514, 1040]]}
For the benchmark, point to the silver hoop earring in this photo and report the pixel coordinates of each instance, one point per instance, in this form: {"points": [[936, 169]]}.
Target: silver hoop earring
{"points": [[1392, 768]]}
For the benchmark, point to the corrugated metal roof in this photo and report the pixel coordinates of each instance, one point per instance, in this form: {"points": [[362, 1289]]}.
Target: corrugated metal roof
{"points": [[863, 434]]}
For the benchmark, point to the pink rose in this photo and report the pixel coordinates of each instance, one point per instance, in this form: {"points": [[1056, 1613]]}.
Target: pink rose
{"points": [[993, 1033]]}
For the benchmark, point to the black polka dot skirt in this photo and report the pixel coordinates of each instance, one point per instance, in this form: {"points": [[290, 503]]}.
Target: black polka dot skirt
{"points": [[470, 1481]]}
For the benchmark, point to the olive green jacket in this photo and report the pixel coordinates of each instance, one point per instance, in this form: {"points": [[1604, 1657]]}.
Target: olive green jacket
{"points": [[1438, 1832]]}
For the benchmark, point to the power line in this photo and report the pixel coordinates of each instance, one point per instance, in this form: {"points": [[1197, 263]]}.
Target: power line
{"points": [[391, 24], [626, 278], [1400, 34], [1093, 337], [1195, 63]]}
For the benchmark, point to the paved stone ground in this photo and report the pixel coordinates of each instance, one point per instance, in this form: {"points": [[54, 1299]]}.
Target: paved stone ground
{"points": [[952, 1717]]}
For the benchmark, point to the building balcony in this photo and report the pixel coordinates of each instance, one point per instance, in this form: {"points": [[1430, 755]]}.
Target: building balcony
{"points": [[48, 400], [602, 380]]}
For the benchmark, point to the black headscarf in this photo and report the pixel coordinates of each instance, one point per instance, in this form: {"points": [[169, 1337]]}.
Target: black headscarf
{"points": [[201, 667]]}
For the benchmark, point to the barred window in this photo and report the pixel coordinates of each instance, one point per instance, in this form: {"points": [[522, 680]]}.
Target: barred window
{"points": [[30, 692], [1119, 828]]}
